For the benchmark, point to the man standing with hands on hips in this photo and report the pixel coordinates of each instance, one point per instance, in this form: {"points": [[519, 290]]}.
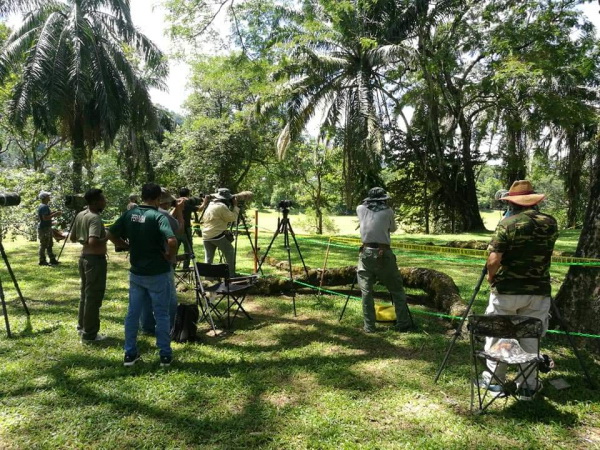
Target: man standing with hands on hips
{"points": [[377, 261]]}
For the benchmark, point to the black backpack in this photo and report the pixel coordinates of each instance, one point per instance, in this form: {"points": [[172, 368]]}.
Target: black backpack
{"points": [[186, 323]]}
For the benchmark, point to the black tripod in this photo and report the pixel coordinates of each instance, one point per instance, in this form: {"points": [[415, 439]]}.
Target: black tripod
{"points": [[458, 332], [68, 234], [284, 226], [14, 280], [242, 219]]}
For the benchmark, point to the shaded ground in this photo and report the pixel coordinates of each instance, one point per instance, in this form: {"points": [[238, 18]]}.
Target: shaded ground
{"points": [[279, 381]]}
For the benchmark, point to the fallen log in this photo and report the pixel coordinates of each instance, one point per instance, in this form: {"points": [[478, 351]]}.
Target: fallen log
{"points": [[442, 292]]}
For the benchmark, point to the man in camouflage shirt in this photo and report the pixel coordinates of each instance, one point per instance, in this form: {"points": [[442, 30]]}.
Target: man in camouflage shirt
{"points": [[519, 272]]}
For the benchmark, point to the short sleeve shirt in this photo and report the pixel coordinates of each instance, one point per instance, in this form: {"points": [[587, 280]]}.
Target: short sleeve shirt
{"points": [[526, 241], [376, 226], [87, 224], [44, 210], [147, 231]]}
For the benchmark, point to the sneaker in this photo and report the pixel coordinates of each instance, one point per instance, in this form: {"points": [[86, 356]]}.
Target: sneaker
{"points": [[526, 394], [493, 389], [54, 262], [130, 360], [99, 337], [43, 263], [79, 331], [165, 361]]}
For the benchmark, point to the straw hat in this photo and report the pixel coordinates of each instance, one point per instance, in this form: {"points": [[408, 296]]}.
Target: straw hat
{"points": [[521, 193]]}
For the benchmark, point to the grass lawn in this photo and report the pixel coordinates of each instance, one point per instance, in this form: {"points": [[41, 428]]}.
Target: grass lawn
{"points": [[278, 381]]}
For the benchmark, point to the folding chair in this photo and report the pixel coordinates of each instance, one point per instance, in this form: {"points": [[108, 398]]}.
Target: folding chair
{"points": [[184, 276], [508, 328], [232, 289]]}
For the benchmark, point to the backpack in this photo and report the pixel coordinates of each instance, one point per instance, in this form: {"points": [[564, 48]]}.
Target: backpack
{"points": [[186, 323]]}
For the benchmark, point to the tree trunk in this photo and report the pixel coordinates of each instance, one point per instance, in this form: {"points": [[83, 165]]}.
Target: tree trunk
{"points": [[579, 296], [471, 216], [515, 156], [573, 177], [78, 154]]}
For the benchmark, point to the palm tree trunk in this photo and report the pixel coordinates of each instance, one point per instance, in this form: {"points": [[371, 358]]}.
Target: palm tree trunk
{"points": [[78, 154]]}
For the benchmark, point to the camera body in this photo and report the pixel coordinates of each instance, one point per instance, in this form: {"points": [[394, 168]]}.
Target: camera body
{"points": [[75, 201], [9, 199], [285, 204], [194, 201]]}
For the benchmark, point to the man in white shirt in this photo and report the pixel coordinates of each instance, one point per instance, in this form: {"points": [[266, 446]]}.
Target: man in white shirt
{"points": [[215, 233]]}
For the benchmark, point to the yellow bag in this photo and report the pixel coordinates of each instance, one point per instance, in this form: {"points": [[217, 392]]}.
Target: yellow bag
{"points": [[385, 313]]}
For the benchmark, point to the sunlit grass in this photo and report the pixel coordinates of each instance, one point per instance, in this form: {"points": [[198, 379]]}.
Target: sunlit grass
{"points": [[278, 381]]}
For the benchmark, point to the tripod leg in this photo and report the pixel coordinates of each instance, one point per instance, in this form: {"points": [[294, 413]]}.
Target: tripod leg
{"points": [[279, 227], [14, 279], [67, 238], [347, 299], [199, 286], [254, 251], [297, 248], [572, 344], [286, 243], [4, 311], [459, 329]]}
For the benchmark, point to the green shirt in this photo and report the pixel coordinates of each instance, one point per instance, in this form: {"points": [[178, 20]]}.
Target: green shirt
{"points": [[87, 224], [526, 241], [147, 231]]}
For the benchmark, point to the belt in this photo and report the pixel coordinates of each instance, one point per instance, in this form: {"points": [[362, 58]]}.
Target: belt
{"points": [[376, 245]]}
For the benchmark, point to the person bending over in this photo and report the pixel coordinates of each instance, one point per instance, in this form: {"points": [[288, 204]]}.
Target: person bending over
{"points": [[215, 234]]}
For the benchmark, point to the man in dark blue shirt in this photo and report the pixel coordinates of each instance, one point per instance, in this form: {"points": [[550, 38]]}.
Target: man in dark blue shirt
{"points": [[45, 217]]}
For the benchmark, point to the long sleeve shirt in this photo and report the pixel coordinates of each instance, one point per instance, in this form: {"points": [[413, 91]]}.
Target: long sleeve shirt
{"points": [[216, 219]]}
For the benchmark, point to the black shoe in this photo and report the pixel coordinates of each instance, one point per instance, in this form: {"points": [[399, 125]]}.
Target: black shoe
{"points": [[165, 361], [54, 262], [129, 360], [43, 263]]}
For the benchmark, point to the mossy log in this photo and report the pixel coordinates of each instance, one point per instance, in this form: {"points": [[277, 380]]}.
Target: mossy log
{"points": [[442, 292]]}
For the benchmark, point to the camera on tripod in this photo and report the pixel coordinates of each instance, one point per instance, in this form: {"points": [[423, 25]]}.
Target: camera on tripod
{"points": [[284, 204], [194, 201], [75, 201], [9, 199]]}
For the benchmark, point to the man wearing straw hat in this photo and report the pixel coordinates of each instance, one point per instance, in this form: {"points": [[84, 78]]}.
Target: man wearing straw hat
{"points": [[519, 272], [377, 261]]}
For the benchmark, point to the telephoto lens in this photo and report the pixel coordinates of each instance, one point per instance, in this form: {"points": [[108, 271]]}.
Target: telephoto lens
{"points": [[9, 199]]}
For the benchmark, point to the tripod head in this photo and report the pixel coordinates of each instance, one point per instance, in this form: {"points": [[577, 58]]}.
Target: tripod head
{"points": [[284, 206]]}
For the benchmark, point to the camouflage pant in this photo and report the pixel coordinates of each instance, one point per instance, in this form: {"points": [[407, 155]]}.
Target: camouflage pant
{"points": [[374, 266], [45, 236]]}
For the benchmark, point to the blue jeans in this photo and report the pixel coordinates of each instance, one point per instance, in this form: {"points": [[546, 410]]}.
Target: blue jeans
{"points": [[147, 321], [153, 292]]}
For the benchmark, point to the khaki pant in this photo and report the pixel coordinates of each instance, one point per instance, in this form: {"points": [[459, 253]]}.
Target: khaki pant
{"points": [[375, 266], [45, 236], [92, 270], [537, 306]]}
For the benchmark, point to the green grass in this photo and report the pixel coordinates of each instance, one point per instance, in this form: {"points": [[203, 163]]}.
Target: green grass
{"points": [[278, 382]]}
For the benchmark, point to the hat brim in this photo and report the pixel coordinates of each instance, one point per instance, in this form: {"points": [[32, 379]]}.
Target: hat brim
{"points": [[376, 199], [524, 200], [220, 197]]}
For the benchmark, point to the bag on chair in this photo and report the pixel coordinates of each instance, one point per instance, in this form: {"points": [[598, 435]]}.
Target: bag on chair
{"points": [[186, 323]]}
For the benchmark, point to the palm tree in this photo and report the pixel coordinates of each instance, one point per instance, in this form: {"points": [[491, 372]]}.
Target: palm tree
{"points": [[339, 68], [77, 71]]}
